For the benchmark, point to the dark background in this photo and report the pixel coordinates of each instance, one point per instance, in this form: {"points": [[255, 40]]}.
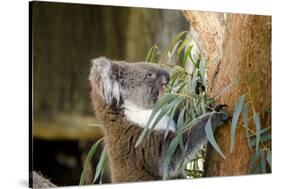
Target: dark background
{"points": [[64, 38]]}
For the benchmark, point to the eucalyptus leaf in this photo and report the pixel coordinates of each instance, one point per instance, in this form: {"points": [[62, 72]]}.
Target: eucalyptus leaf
{"points": [[185, 56], [142, 136], [177, 101], [211, 138], [181, 87], [171, 116], [180, 125], [253, 162], [258, 128], [171, 54], [189, 54], [203, 72], [100, 165], [101, 175], [164, 111], [158, 116], [235, 117], [268, 158], [195, 120], [198, 61], [94, 125], [88, 160], [262, 162], [164, 99], [171, 46], [194, 82], [245, 119], [180, 50], [176, 39], [203, 105], [263, 131], [193, 113], [168, 156], [263, 138], [152, 53]]}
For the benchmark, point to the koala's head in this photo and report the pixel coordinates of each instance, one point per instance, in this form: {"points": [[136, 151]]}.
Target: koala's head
{"points": [[137, 83]]}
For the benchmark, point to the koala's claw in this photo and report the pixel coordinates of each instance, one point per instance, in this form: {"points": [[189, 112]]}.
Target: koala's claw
{"points": [[218, 107], [221, 117]]}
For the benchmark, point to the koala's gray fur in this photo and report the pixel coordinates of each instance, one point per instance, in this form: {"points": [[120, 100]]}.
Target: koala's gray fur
{"points": [[38, 181], [139, 83], [123, 96]]}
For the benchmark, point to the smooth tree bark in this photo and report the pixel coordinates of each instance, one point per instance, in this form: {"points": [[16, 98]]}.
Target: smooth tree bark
{"points": [[238, 48]]}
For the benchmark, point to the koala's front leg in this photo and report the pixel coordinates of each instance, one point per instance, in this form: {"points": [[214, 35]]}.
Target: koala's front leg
{"points": [[196, 136]]}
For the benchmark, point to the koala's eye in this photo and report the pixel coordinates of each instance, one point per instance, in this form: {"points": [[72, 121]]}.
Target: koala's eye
{"points": [[149, 75]]}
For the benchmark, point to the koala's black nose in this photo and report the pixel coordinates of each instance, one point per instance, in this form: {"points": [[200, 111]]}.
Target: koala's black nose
{"points": [[165, 77]]}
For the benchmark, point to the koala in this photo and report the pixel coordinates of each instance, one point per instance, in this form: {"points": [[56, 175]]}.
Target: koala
{"points": [[123, 95]]}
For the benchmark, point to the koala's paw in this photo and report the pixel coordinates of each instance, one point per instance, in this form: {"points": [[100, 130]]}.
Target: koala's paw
{"points": [[219, 107], [220, 117]]}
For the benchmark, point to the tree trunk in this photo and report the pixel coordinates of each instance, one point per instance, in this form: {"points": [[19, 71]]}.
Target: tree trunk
{"points": [[238, 47]]}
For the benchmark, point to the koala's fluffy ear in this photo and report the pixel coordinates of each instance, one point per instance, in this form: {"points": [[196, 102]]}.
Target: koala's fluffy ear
{"points": [[103, 74]]}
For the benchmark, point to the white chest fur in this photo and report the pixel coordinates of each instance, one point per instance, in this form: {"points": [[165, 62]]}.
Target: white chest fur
{"points": [[141, 116]]}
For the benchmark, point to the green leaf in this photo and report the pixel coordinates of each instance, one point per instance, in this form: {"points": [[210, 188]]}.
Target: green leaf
{"points": [[177, 72], [183, 86], [176, 102], [176, 39], [181, 164], [197, 107], [171, 116], [180, 50], [141, 137], [262, 162], [162, 112], [88, 159], [164, 99], [171, 53], [194, 81], [253, 162], [258, 129], [101, 175], [268, 158], [235, 117], [100, 165], [195, 120], [245, 119], [168, 156], [210, 137], [152, 53], [197, 64], [180, 125], [263, 138], [165, 111], [193, 113], [189, 54], [203, 73], [186, 53], [171, 45], [263, 131]]}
